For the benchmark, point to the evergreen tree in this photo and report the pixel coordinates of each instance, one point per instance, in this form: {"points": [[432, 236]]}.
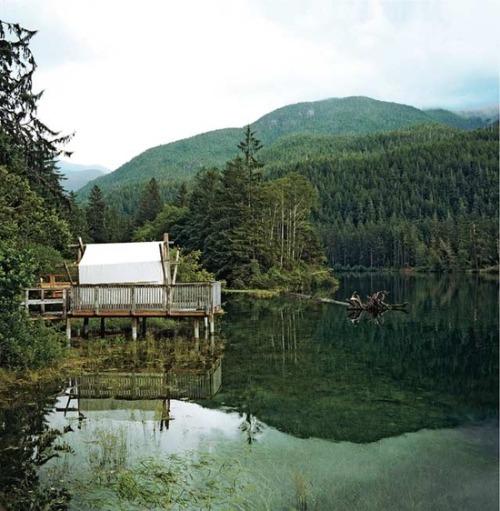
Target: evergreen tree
{"points": [[151, 203], [96, 214], [27, 146]]}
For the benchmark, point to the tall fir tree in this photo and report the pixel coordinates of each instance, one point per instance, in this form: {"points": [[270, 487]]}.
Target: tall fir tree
{"points": [[151, 203], [96, 215]]}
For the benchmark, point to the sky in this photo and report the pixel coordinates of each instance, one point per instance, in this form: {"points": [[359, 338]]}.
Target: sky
{"points": [[128, 75]]}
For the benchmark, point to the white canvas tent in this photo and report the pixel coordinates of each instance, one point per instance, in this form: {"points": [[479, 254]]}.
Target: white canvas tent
{"points": [[122, 263]]}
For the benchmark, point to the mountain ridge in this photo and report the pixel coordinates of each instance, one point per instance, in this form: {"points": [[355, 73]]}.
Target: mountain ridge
{"points": [[353, 115]]}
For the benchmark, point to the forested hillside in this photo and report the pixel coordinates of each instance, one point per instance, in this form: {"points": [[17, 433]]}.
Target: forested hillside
{"points": [[181, 160], [425, 197]]}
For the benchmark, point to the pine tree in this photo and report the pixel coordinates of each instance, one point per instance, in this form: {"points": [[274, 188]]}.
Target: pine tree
{"points": [[96, 214], [27, 146], [151, 203]]}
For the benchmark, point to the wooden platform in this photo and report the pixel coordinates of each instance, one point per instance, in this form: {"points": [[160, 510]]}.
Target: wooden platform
{"points": [[197, 300]]}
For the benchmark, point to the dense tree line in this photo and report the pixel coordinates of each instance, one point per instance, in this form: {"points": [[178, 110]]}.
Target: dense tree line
{"points": [[426, 197]]}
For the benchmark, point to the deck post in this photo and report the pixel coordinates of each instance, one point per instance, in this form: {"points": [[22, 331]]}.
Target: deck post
{"points": [[85, 328], [205, 320], [212, 324], [134, 328], [103, 327], [68, 329], [196, 328]]}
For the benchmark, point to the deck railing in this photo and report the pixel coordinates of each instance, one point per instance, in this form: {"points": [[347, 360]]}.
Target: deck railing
{"points": [[46, 302], [204, 297], [198, 296]]}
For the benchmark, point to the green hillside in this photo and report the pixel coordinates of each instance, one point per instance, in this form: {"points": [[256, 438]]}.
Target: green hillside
{"points": [[426, 196], [181, 160]]}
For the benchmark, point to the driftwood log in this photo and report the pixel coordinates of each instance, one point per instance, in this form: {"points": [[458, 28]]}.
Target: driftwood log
{"points": [[375, 303]]}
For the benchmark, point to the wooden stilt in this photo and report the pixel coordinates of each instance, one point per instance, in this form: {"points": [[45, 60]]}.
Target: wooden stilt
{"points": [[205, 320], [212, 324], [86, 328], [134, 328], [103, 327], [196, 328], [68, 329]]}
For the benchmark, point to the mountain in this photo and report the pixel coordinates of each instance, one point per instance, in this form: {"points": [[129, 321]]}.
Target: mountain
{"points": [[181, 160], [76, 175]]}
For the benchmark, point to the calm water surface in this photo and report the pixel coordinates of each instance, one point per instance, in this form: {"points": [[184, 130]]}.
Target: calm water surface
{"points": [[306, 407]]}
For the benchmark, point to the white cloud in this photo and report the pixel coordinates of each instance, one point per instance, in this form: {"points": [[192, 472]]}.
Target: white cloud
{"points": [[129, 75]]}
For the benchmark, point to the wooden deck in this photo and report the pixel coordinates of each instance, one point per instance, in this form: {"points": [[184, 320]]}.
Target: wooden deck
{"points": [[196, 300], [122, 300]]}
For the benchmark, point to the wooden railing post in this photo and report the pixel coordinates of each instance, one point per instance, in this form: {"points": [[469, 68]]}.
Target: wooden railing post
{"points": [[133, 299], [64, 298], [96, 299]]}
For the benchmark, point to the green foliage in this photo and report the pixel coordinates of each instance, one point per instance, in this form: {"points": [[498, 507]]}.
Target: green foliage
{"points": [[191, 270], [17, 270], [23, 344], [32, 200], [26, 216], [441, 212], [26, 344], [162, 223]]}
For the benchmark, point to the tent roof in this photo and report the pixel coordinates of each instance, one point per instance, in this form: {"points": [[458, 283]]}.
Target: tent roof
{"points": [[121, 253]]}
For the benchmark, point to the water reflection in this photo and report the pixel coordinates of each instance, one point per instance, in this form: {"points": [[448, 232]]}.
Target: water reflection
{"points": [[145, 391], [153, 425], [303, 367]]}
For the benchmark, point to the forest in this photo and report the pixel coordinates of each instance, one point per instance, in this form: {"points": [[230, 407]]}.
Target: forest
{"points": [[424, 197], [281, 216]]}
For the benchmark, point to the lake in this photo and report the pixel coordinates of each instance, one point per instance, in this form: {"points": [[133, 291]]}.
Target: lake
{"points": [[295, 404]]}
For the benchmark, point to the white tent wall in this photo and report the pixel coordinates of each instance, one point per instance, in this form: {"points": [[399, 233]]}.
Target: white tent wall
{"points": [[122, 263]]}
